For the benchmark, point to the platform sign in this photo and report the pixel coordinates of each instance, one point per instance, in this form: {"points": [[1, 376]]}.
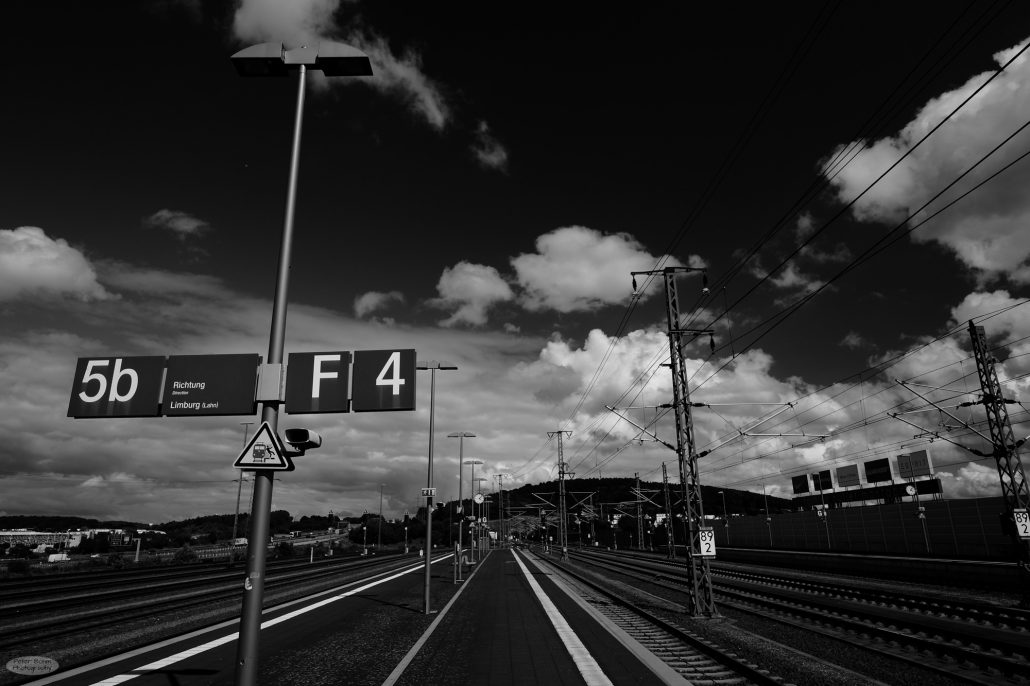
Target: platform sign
{"points": [[428, 492], [210, 385], [878, 470], [117, 387], [318, 382], [383, 380], [264, 451], [848, 475], [911, 465], [800, 484], [706, 538], [1022, 518]]}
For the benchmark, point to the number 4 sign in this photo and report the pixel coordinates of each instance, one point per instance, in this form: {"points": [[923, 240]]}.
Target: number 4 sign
{"points": [[383, 380]]}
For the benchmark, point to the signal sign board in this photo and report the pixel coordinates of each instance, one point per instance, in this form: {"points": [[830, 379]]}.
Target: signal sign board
{"points": [[264, 451], [117, 387], [706, 538], [428, 492], [1022, 518], [210, 385], [318, 382], [384, 380]]}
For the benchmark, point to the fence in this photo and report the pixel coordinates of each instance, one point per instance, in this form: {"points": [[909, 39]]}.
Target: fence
{"points": [[949, 528]]}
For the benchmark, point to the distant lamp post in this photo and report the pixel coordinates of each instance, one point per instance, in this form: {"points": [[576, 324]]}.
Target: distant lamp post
{"points": [[768, 515], [379, 526], [364, 540], [432, 366], [405, 539], [472, 508], [272, 59], [239, 491], [461, 436], [726, 516]]}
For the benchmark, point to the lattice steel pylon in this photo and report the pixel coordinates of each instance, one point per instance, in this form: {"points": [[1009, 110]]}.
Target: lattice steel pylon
{"points": [[1014, 489], [699, 578], [563, 537]]}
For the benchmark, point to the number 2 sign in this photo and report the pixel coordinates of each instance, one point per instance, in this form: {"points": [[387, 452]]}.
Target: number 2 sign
{"points": [[706, 539], [383, 380], [1022, 523]]}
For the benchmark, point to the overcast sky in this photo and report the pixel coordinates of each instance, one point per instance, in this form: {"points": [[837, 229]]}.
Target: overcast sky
{"points": [[483, 199]]}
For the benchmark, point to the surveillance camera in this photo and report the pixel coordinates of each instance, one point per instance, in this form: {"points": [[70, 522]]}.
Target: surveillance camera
{"points": [[302, 439]]}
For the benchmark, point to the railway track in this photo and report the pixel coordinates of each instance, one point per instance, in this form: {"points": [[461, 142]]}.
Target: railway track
{"points": [[695, 659], [975, 642], [38, 621]]}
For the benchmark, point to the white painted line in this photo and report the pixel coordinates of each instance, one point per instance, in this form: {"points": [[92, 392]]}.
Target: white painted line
{"points": [[403, 664], [178, 657], [585, 663], [667, 675]]}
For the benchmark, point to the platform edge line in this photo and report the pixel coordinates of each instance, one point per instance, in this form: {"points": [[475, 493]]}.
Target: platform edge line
{"points": [[406, 660], [668, 675]]}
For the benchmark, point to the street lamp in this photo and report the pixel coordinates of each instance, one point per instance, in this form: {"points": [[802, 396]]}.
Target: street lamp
{"points": [[273, 59], [726, 516], [364, 540], [478, 481], [239, 490], [379, 526], [768, 515], [461, 436], [472, 508], [431, 365], [405, 539]]}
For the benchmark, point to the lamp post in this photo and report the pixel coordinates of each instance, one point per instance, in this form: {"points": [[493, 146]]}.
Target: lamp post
{"points": [[472, 508], [364, 540], [405, 539], [273, 59], [461, 436], [239, 492], [768, 516], [379, 526], [725, 516], [483, 507], [432, 366]]}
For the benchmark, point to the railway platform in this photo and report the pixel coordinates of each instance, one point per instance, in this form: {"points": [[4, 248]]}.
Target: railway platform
{"points": [[514, 624]]}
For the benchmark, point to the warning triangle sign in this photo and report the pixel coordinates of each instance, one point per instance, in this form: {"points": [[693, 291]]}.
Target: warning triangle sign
{"points": [[264, 451]]}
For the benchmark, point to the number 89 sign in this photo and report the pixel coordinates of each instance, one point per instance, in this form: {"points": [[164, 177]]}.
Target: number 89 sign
{"points": [[706, 539], [1022, 523], [383, 380]]}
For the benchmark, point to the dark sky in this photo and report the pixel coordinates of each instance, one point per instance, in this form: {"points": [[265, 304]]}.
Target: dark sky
{"points": [[670, 128]]}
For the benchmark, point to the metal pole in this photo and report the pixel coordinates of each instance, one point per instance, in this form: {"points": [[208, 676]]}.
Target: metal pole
{"points": [[429, 484], [239, 492], [472, 506], [379, 527], [461, 507], [257, 546]]}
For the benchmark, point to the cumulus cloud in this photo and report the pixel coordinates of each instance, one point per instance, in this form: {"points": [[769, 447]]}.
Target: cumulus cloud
{"points": [[854, 341], [986, 230], [295, 23], [305, 22], [370, 302], [576, 268], [470, 289], [488, 150], [32, 263], [403, 77], [182, 225]]}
